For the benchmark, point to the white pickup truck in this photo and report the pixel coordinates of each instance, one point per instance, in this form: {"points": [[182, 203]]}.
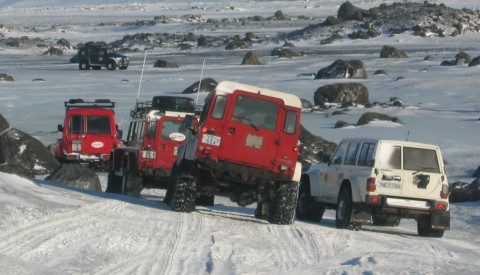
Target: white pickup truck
{"points": [[379, 182]]}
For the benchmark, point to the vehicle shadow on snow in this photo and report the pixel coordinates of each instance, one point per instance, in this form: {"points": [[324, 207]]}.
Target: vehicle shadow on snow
{"points": [[132, 200], [230, 212]]}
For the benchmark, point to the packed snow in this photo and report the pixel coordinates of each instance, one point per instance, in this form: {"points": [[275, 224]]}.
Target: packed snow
{"points": [[49, 228]]}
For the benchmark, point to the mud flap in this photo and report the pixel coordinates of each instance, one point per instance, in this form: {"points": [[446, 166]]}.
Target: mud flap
{"points": [[440, 220], [298, 172], [361, 214]]}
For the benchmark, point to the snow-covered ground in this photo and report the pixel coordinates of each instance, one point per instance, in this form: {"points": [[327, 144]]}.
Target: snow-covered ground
{"points": [[46, 228]]}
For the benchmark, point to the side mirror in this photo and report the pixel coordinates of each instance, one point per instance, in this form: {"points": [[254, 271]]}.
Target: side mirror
{"points": [[119, 133], [60, 128]]}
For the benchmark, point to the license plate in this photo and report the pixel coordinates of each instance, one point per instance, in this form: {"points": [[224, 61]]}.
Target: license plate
{"points": [[390, 185], [211, 140]]}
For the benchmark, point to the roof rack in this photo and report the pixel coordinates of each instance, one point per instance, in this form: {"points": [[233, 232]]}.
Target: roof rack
{"points": [[80, 103], [173, 103], [141, 109]]}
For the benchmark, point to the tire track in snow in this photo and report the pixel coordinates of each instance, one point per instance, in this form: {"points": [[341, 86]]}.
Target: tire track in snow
{"points": [[57, 230]]}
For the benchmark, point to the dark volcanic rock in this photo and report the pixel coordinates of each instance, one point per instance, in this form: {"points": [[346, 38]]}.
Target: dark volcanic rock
{"points": [[250, 58], [5, 77], [164, 64], [348, 11], [342, 124], [462, 58], [285, 52], [207, 85], [3, 124], [372, 116], [25, 155], [75, 175], [53, 51], [474, 62], [313, 149], [343, 69], [341, 93], [392, 52], [465, 192]]}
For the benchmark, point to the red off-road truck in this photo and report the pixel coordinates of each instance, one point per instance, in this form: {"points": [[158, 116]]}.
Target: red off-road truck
{"points": [[154, 135], [89, 132], [245, 147]]}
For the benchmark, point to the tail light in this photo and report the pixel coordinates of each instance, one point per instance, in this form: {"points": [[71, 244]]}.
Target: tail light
{"points": [[441, 205], [444, 192], [371, 185], [283, 167]]}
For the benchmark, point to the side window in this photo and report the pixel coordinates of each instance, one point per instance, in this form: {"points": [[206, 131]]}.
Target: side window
{"points": [[389, 156], [219, 107], [76, 124], [152, 128], [337, 158], [290, 122], [366, 154], [351, 153], [140, 128]]}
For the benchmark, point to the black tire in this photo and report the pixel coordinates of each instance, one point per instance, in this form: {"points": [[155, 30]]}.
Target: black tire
{"points": [[205, 200], [131, 184], [382, 220], [183, 193], [283, 204], [111, 65], [114, 183], [424, 228], [307, 208], [84, 65], [343, 215]]}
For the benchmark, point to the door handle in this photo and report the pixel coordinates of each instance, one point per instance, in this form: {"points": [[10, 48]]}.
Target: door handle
{"points": [[231, 131]]}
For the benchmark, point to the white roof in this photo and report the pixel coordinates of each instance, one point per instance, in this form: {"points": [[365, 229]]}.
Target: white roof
{"points": [[228, 87], [398, 142]]}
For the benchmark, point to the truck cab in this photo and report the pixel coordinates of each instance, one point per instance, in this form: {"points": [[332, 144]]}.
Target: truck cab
{"points": [[245, 147], [89, 132], [155, 133]]}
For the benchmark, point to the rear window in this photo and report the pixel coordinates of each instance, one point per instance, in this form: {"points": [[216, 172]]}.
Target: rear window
{"points": [[76, 124], [173, 126], [418, 159], [98, 125], [389, 156], [255, 112]]}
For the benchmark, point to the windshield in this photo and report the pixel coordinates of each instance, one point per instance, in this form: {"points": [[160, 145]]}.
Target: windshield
{"points": [[98, 125]]}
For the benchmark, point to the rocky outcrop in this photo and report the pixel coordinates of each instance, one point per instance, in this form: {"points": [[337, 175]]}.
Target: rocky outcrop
{"points": [[251, 58], [392, 52], [78, 176], [353, 69], [164, 64], [372, 116], [314, 149], [207, 85], [342, 93]]}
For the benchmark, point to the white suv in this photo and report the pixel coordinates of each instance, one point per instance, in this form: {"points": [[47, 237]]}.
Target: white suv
{"points": [[379, 181]]}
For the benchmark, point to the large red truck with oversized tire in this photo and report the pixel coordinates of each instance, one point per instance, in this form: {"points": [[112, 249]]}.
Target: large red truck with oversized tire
{"points": [[155, 133], [245, 147]]}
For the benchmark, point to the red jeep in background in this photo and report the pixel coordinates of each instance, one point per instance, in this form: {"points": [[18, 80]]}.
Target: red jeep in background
{"points": [[89, 132], [154, 135], [245, 147]]}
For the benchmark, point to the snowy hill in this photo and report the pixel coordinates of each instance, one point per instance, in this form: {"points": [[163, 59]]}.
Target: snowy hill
{"points": [[47, 228]]}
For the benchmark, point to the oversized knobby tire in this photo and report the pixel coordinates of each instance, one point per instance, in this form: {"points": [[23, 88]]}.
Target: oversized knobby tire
{"points": [[283, 204], [382, 220], [84, 65], [343, 215], [183, 193], [131, 184], [111, 65], [114, 182], [307, 208], [424, 227]]}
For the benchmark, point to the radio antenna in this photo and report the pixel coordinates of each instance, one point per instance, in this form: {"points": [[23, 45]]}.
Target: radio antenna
{"points": [[141, 76], [408, 134], [200, 82]]}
